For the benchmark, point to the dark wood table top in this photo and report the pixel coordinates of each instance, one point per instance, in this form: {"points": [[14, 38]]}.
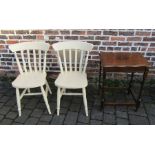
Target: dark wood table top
{"points": [[125, 61]]}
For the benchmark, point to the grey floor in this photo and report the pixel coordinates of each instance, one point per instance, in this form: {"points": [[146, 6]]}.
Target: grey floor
{"points": [[72, 111]]}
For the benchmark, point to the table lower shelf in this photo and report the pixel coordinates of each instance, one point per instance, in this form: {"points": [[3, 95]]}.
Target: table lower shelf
{"points": [[126, 103], [118, 98]]}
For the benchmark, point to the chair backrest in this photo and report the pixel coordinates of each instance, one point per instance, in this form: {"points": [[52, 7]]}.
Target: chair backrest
{"points": [[30, 56], [72, 55]]}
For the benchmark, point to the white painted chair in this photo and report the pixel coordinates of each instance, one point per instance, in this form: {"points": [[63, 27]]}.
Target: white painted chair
{"points": [[31, 61], [73, 58]]}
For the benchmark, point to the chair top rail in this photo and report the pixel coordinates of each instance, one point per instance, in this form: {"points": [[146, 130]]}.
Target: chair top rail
{"points": [[37, 45], [73, 45]]}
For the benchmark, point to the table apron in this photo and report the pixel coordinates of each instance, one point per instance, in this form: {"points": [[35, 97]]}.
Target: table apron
{"points": [[124, 69]]}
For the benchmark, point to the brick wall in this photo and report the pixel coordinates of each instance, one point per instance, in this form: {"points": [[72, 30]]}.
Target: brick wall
{"points": [[134, 40]]}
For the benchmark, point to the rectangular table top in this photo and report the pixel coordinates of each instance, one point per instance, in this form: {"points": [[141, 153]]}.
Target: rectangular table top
{"points": [[122, 59]]}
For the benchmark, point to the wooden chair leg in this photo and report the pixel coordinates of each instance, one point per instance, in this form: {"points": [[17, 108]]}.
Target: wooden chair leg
{"points": [[58, 100], [18, 101], [85, 100], [45, 99]]}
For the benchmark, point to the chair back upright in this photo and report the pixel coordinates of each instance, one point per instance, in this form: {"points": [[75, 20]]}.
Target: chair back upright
{"points": [[72, 55], [30, 56]]}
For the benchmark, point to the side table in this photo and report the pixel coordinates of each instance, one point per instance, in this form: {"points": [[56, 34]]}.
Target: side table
{"points": [[126, 62]]}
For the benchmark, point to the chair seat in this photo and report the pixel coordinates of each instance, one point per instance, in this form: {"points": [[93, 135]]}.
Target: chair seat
{"points": [[72, 80], [30, 80]]}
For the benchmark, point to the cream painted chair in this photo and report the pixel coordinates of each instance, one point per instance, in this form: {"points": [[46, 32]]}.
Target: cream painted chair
{"points": [[31, 61], [73, 58]]}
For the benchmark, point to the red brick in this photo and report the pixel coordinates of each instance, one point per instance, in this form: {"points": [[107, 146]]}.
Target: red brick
{"points": [[52, 32], [126, 49], [126, 41], [5, 67], [110, 48], [40, 37], [71, 37], [15, 67], [86, 37], [134, 48], [2, 42], [151, 49], [143, 49], [113, 33], [15, 37], [149, 39], [36, 31], [29, 37], [75, 32], [2, 47], [94, 53], [65, 32], [150, 54], [117, 48], [12, 41], [3, 37], [101, 38], [95, 42], [4, 51], [124, 44], [7, 31], [153, 59], [102, 48], [126, 33], [117, 38], [109, 43], [94, 32], [142, 33], [152, 44], [134, 39], [141, 44], [22, 32]]}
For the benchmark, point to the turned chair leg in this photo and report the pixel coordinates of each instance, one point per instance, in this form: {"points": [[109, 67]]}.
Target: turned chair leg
{"points": [[58, 100], [85, 101], [18, 101]]}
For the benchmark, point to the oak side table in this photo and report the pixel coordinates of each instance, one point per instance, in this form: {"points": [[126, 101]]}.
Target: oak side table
{"points": [[126, 62]]}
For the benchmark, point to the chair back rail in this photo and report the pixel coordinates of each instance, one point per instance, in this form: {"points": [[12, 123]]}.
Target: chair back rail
{"points": [[72, 55], [30, 56]]}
